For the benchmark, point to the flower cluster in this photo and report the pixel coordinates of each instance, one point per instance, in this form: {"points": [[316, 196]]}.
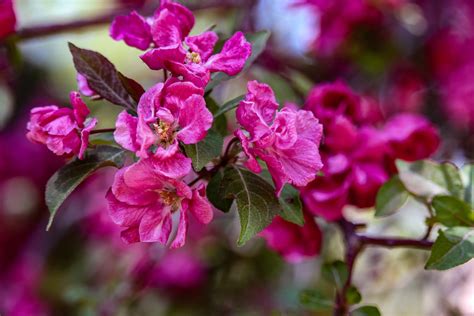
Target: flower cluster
{"points": [[188, 56], [359, 157]]}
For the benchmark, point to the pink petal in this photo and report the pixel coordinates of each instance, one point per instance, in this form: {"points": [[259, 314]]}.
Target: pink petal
{"points": [[177, 92], [130, 235], [133, 29], [139, 195], [203, 44], [155, 226], [200, 206], [125, 133], [194, 120], [308, 127], [195, 73], [168, 29], [150, 102], [176, 166], [122, 213], [142, 175], [157, 58], [90, 124], [180, 238], [232, 58], [284, 129], [251, 163]]}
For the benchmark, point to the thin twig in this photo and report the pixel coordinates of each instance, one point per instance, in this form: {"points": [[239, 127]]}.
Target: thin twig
{"points": [[103, 130]]}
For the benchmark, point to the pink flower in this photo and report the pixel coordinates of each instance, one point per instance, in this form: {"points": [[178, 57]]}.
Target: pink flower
{"points": [[293, 242], [330, 100], [7, 18], [170, 24], [411, 137], [142, 201], [167, 113], [197, 63], [287, 140], [64, 131]]}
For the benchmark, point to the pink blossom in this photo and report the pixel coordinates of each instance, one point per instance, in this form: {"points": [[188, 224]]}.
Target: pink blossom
{"points": [[7, 18], [411, 137], [142, 201], [293, 242], [197, 63], [64, 131], [170, 24], [167, 113], [287, 140]]}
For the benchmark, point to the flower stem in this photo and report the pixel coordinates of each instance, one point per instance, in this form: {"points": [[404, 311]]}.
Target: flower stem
{"points": [[355, 244], [103, 130]]}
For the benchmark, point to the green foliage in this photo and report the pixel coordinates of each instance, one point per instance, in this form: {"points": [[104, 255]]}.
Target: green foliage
{"points": [[291, 208], [451, 211], [367, 310], [426, 178], [104, 79], [467, 175], [453, 247], [353, 295], [220, 122], [229, 105], [391, 197], [207, 149], [336, 272], [314, 300], [258, 41], [66, 179]]}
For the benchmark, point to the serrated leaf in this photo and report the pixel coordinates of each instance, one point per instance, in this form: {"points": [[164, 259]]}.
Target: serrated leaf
{"points": [[453, 247], [467, 176], [353, 295], [367, 310], [66, 179], [255, 197], [207, 149], [103, 77], [219, 123], [391, 197], [427, 178], [291, 208], [258, 41], [229, 105], [314, 300], [451, 211], [336, 272]]}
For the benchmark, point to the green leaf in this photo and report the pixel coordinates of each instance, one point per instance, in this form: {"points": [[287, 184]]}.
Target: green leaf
{"points": [[336, 272], [66, 179], [216, 194], [229, 105], [451, 211], [391, 197], [207, 149], [314, 300], [467, 175], [427, 178], [453, 247], [219, 123], [291, 208], [258, 41], [103, 77], [367, 310], [255, 197], [353, 295]]}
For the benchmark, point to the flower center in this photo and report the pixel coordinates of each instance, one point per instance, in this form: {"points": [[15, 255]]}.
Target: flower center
{"points": [[165, 132], [170, 198], [193, 57]]}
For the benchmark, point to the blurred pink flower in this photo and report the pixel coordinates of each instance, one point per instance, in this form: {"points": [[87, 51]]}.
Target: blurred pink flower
{"points": [[167, 113], [142, 201], [293, 242], [411, 137], [7, 18], [64, 131], [287, 140]]}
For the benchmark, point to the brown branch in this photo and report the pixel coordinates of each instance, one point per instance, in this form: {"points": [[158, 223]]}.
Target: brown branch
{"points": [[103, 130]]}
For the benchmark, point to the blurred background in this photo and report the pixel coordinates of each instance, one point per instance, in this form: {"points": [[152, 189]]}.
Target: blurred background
{"points": [[405, 55]]}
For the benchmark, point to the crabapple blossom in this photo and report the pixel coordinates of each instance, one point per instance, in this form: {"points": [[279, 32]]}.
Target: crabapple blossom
{"points": [[142, 201], [287, 140], [7, 18], [64, 131]]}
